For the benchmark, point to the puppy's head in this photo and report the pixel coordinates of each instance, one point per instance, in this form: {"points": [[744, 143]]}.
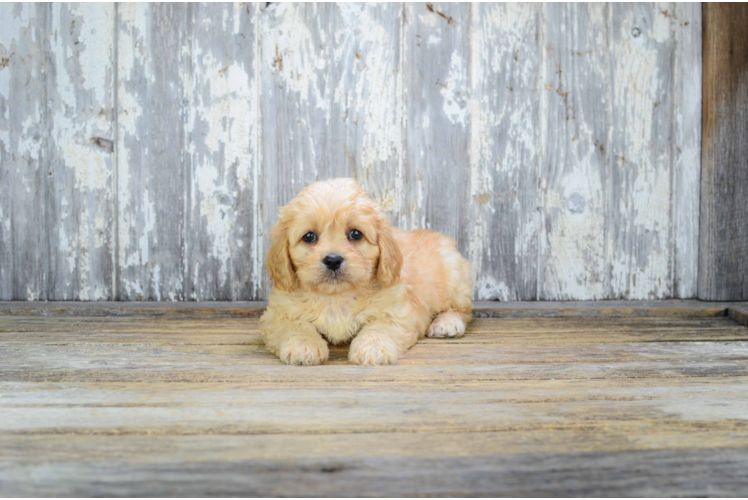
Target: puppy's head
{"points": [[330, 239]]}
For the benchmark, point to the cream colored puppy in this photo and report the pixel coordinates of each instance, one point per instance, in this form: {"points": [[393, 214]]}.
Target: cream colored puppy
{"points": [[341, 272]]}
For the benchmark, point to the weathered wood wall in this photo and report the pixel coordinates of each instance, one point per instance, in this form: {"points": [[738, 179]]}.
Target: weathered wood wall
{"points": [[145, 148], [723, 261]]}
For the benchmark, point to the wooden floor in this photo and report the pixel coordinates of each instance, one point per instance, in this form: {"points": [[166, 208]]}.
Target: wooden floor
{"points": [[606, 399]]}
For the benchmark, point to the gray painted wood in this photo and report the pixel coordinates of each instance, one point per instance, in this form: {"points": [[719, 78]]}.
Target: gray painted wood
{"points": [[504, 150], [168, 405], [723, 255], [25, 166], [639, 245], [80, 100], [436, 142], [687, 141], [558, 144], [718, 472], [223, 156], [576, 152], [151, 177], [739, 314], [481, 309]]}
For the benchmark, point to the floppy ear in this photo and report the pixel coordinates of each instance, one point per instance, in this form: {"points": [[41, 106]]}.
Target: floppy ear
{"points": [[278, 259], [390, 257]]}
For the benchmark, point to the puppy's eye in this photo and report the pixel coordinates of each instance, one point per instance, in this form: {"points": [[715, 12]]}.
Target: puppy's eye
{"points": [[309, 237], [355, 235]]}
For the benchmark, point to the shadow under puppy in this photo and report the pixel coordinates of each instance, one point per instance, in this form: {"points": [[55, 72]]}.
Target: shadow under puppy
{"points": [[341, 272]]}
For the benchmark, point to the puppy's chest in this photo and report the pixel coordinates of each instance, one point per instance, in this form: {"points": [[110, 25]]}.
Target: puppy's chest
{"points": [[339, 320]]}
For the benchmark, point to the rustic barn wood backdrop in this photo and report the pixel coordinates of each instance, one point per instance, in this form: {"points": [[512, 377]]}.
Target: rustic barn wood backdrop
{"points": [[145, 149]]}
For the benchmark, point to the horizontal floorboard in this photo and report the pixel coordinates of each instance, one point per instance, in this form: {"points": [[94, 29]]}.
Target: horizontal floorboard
{"points": [[177, 401], [148, 330], [490, 309], [739, 314], [669, 472], [223, 409]]}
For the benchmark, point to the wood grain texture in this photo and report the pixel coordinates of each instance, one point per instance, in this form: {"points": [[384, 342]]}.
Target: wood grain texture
{"points": [[691, 472], [481, 309], [167, 406], [245, 331], [24, 165], [78, 205], [504, 150], [576, 152], [723, 243], [687, 142], [639, 242], [153, 349], [134, 448], [135, 409], [222, 139], [437, 93], [147, 148], [151, 179], [739, 314]]}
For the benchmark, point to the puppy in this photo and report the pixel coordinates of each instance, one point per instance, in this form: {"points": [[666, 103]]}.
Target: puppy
{"points": [[342, 273]]}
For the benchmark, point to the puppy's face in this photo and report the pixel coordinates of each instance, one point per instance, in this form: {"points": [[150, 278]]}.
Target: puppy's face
{"points": [[331, 239]]}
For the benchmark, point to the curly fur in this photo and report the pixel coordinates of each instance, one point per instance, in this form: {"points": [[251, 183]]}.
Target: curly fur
{"points": [[393, 288]]}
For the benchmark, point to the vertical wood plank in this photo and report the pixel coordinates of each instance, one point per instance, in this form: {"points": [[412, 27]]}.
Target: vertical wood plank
{"points": [[575, 152], [222, 129], [150, 148], [640, 188], [8, 37], [436, 58], [366, 106], [24, 165], [295, 110], [504, 145], [687, 139], [329, 92], [723, 245], [79, 199]]}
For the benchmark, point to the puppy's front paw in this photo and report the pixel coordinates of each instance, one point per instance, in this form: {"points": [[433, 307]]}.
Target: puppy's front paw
{"points": [[447, 324], [373, 350], [304, 351]]}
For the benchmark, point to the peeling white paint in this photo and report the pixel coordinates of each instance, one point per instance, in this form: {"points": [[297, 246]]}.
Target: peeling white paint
{"points": [[335, 98], [662, 28], [490, 289], [370, 85], [222, 127], [293, 60], [454, 91], [641, 270], [132, 19], [686, 179], [503, 145], [572, 261]]}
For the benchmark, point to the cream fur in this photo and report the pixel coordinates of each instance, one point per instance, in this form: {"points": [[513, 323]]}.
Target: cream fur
{"points": [[393, 288]]}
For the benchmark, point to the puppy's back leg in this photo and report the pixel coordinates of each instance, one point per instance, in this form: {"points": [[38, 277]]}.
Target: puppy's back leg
{"points": [[452, 321], [449, 323]]}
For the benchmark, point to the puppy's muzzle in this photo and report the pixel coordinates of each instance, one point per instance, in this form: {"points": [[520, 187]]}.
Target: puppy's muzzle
{"points": [[333, 261]]}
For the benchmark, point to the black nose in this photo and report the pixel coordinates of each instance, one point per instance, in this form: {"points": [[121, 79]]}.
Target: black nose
{"points": [[333, 261]]}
